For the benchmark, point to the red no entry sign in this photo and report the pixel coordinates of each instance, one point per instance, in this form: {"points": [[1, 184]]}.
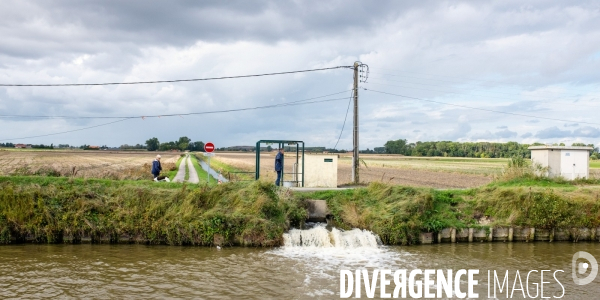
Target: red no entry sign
{"points": [[209, 147]]}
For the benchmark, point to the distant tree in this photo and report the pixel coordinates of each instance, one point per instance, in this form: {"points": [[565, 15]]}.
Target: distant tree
{"points": [[184, 140], [578, 145], [196, 146], [398, 147], [152, 144]]}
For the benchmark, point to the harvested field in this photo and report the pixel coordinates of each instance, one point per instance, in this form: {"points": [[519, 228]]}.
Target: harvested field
{"points": [[246, 162], [80, 163], [421, 172], [413, 177]]}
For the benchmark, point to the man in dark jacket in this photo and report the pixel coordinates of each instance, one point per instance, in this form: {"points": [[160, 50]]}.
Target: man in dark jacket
{"points": [[156, 168], [279, 165]]}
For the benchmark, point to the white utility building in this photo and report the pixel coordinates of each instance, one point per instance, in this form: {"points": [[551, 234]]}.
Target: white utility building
{"points": [[321, 171], [568, 162]]}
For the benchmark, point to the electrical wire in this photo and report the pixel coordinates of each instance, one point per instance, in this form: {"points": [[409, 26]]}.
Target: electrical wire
{"points": [[63, 132], [467, 78], [502, 98], [159, 116], [292, 103], [482, 109], [171, 81], [345, 118], [493, 92]]}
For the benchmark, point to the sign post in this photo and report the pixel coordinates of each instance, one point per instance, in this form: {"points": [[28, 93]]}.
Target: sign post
{"points": [[209, 148]]}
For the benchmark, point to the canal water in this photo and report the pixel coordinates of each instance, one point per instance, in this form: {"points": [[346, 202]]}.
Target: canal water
{"points": [[308, 267]]}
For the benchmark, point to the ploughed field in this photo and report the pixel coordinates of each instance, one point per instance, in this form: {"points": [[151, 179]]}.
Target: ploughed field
{"points": [[435, 172], [394, 169], [83, 163]]}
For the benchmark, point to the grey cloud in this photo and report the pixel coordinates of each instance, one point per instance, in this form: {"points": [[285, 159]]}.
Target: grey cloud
{"points": [[505, 134], [502, 127], [571, 125], [67, 24], [587, 131], [459, 131], [487, 135], [553, 132], [526, 135], [533, 121]]}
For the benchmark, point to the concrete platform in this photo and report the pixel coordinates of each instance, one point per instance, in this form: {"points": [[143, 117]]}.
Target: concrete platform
{"points": [[305, 189]]}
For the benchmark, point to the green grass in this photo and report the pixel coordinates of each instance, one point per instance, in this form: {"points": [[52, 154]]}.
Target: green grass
{"points": [[56, 210], [201, 173], [172, 174], [225, 169], [187, 172], [595, 164]]}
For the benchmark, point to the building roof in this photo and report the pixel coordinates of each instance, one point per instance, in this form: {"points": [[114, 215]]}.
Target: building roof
{"points": [[560, 148]]}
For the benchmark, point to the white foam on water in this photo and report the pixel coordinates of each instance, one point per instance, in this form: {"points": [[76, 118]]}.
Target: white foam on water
{"points": [[336, 248], [320, 254]]}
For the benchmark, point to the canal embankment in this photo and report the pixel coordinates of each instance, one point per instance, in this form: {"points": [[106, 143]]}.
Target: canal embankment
{"points": [[67, 210]]}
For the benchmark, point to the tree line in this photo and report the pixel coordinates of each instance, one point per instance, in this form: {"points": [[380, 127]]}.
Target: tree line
{"points": [[184, 143], [467, 149]]}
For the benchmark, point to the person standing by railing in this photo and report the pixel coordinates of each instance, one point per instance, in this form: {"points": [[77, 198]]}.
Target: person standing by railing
{"points": [[279, 165]]}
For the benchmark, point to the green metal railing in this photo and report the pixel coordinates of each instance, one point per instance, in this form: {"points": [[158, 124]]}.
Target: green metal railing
{"points": [[281, 144]]}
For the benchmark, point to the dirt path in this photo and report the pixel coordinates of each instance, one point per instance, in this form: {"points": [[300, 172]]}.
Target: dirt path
{"points": [[193, 175], [180, 177]]}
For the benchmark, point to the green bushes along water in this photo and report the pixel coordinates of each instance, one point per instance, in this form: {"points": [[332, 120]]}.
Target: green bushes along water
{"points": [[58, 210]]}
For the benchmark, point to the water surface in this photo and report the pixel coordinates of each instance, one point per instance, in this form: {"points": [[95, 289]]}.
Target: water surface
{"points": [[144, 272]]}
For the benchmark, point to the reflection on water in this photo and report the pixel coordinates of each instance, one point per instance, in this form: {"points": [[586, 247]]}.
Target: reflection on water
{"points": [[137, 271]]}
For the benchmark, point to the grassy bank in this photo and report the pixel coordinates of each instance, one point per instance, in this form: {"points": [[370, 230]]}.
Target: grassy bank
{"points": [[202, 175], [54, 210], [229, 171], [57, 209]]}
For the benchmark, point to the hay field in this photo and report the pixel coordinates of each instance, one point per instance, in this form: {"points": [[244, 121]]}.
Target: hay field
{"points": [[80, 163]]}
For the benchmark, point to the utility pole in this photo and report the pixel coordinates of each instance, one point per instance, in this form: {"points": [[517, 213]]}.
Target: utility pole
{"points": [[355, 162]]}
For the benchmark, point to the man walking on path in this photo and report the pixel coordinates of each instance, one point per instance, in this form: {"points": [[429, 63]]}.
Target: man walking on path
{"points": [[156, 168], [279, 165]]}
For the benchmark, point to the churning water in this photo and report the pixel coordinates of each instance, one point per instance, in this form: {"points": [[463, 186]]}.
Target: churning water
{"points": [[319, 236]]}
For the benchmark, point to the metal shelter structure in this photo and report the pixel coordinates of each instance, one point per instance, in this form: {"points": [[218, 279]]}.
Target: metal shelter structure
{"points": [[281, 144]]}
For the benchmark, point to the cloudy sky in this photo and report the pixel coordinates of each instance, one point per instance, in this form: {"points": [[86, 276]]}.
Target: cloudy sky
{"points": [[460, 71]]}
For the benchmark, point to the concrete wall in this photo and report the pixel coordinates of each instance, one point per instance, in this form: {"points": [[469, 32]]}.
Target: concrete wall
{"points": [[554, 162], [510, 234], [568, 163], [574, 164], [540, 157], [320, 170]]}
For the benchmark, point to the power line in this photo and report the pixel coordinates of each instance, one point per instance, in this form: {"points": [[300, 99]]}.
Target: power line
{"points": [[292, 103], [165, 115], [172, 81], [536, 101], [467, 78], [482, 109], [493, 92], [63, 132], [346, 117]]}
